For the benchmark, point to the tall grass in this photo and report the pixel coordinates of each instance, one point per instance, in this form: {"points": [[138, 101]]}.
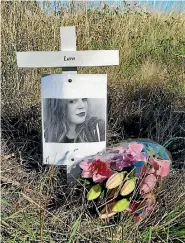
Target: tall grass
{"points": [[146, 98], [150, 47], [145, 92]]}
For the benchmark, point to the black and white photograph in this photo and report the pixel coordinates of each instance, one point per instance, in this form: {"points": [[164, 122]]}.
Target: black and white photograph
{"points": [[78, 120], [74, 108]]}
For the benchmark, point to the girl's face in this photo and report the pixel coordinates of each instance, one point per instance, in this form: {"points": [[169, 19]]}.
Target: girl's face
{"points": [[77, 110]]}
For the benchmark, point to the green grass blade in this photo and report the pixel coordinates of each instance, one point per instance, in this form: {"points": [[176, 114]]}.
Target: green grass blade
{"points": [[74, 230]]}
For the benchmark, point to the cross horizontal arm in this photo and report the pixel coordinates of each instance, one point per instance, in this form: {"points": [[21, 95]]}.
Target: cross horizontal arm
{"points": [[67, 58]]}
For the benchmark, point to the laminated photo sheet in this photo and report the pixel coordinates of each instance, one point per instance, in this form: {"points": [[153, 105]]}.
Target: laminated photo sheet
{"points": [[74, 115]]}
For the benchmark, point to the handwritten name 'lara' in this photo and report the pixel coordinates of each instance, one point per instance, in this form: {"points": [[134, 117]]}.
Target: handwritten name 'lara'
{"points": [[69, 58]]}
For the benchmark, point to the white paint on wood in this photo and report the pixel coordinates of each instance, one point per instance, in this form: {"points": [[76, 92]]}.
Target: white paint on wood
{"points": [[68, 38], [68, 43], [68, 58]]}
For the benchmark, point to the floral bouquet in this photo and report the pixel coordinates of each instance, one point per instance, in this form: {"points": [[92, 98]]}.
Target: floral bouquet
{"points": [[125, 178]]}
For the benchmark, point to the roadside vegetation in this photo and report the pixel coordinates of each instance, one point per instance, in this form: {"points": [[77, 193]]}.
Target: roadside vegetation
{"points": [[146, 99]]}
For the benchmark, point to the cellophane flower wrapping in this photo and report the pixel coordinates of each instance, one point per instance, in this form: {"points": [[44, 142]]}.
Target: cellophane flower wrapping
{"points": [[125, 178]]}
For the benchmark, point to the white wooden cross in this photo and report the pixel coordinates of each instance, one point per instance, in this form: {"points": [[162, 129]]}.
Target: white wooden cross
{"points": [[68, 58]]}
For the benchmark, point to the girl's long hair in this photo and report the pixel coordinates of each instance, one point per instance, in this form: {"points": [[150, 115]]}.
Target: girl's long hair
{"points": [[56, 124]]}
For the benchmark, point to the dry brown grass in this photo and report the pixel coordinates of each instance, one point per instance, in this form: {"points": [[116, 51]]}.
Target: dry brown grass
{"points": [[145, 92], [40, 207], [145, 99], [149, 46]]}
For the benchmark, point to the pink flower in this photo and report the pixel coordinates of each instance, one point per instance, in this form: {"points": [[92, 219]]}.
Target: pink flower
{"points": [[162, 167], [148, 184], [135, 148], [97, 169], [145, 170], [147, 203], [128, 156], [134, 152]]}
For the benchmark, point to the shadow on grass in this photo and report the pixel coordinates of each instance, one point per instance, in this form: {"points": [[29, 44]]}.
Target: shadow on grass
{"points": [[151, 114], [138, 114], [142, 115]]}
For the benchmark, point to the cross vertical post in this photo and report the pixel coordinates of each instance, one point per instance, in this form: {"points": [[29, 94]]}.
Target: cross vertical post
{"points": [[68, 43]]}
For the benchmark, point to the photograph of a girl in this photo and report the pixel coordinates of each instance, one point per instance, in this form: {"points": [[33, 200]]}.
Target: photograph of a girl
{"points": [[73, 120]]}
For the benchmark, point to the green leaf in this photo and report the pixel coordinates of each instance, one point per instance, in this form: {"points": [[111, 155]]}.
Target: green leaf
{"points": [[121, 205], [94, 192], [132, 174], [85, 181]]}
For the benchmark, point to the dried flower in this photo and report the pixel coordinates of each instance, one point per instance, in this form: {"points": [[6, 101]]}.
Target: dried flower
{"points": [[115, 180], [145, 164], [128, 187], [107, 211]]}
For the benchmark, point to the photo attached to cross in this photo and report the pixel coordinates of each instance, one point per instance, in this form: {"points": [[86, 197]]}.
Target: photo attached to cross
{"points": [[73, 113], [73, 116]]}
